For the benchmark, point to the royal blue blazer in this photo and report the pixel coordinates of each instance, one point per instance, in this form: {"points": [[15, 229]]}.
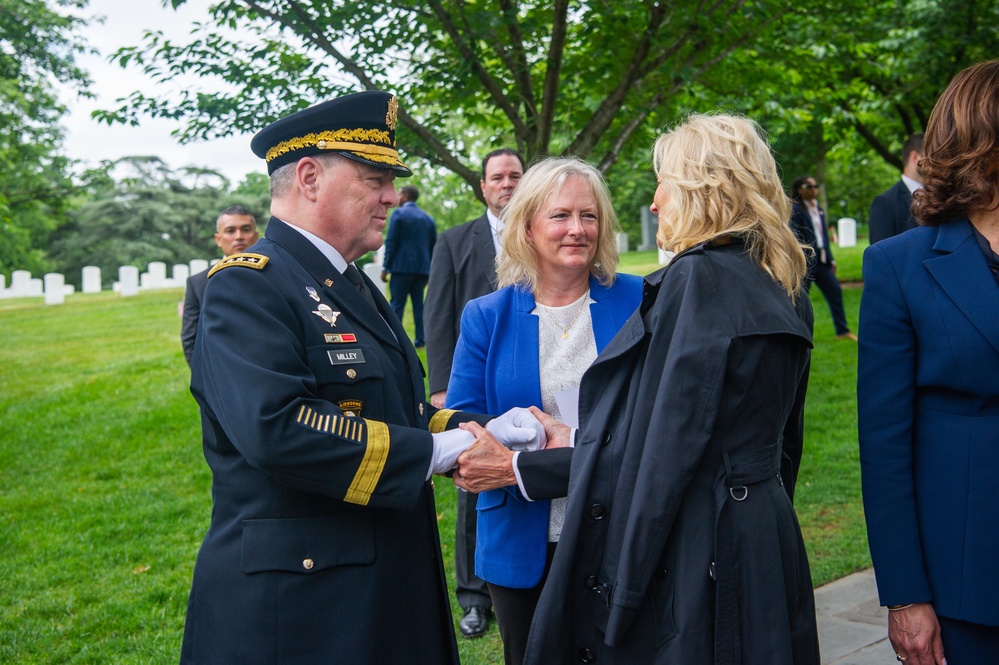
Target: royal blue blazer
{"points": [[496, 368], [928, 402]]}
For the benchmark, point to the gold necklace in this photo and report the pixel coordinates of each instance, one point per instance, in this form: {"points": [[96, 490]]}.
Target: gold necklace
{"points": [[579, 310]]}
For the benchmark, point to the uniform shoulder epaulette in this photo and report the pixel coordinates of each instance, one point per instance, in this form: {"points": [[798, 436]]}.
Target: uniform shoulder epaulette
{"points": [[247, 260]]}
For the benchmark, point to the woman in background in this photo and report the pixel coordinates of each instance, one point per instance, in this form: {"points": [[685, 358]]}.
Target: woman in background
{"points": [[560, 302], [808, 222]]}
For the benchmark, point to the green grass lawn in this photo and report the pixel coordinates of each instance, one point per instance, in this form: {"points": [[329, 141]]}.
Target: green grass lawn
{"points": [[105, 494]]}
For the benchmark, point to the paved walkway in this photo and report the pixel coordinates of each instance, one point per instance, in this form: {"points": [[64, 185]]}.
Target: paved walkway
{"points": [[853, 627]]}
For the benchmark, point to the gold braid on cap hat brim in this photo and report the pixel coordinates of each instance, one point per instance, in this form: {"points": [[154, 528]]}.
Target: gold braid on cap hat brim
{"points": [[342, 139]]}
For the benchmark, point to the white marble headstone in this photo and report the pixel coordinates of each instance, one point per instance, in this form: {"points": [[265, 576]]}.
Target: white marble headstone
{"points": [[91, 279], [622, 242], [847, 227], [20, 281], [157, 275], [198, 265], [128, 280], [374, 273], [54, 288]]}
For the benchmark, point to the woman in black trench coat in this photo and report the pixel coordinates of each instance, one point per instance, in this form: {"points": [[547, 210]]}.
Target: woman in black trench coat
{"points": [[680, 543]]}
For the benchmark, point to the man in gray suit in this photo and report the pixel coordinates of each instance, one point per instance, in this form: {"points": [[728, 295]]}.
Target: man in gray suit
{"points": [[235, 231], [463, 268], [890, 212]]}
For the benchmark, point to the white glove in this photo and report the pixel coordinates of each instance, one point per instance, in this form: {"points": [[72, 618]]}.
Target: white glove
{"points": [[447, 446], [518, 430]]}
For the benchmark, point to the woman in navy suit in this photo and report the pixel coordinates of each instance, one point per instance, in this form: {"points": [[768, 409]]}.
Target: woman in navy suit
{"points": [[559, 304], [928, 391]]}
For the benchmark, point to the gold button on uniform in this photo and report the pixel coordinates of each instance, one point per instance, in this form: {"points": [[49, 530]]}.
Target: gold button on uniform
{"points": [[308, 564], [351, 374]]}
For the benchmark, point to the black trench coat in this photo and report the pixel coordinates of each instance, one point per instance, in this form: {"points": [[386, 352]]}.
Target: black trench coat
{"points": [[680, 544]]}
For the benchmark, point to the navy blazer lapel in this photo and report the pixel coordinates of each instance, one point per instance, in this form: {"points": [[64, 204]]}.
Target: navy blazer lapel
{"points": [[484, 250], [334, 283], [960, 270]]}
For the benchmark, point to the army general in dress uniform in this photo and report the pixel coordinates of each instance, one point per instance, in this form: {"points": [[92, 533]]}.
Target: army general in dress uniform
{"points": [[323, 544]]}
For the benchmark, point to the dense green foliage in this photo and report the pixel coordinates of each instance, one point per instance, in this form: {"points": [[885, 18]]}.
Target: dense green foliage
{"points": [[839, 86], [37, 48], [105, 494], [580, 78], [147, 213]]}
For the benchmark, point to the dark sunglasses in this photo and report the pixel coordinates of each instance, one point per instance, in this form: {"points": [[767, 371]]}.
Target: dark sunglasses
{"points": [[810, 186]]}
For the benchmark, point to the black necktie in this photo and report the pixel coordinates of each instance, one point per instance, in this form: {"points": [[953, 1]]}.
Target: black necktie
{"points": [[353, 275]]}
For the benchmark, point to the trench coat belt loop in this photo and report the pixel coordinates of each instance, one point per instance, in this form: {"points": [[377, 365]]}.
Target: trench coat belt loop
{"points": [[742, 470]]}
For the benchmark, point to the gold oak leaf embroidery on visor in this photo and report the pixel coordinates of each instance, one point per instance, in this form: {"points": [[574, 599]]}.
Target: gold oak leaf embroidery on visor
{"points": [[357, 138]]}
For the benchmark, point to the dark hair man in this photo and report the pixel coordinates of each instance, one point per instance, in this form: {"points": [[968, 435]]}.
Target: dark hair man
{"points": [[235, 231], [891, 210]]}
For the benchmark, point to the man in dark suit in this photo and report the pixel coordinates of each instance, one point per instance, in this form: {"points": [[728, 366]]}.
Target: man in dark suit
{"points": [[408, 248], [891, 210], [323, 544], [463, 268], [235, 231]]}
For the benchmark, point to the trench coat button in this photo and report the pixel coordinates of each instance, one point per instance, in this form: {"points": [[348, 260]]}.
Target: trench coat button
{"points": [[421, 408], [662, 573], [587, 656], [308, 564], [607, 438], [592, 582], [597, 511]]}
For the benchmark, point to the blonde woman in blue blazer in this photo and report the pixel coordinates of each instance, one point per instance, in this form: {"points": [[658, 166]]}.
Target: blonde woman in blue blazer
{"points": [[928, 391], [559, 304]]}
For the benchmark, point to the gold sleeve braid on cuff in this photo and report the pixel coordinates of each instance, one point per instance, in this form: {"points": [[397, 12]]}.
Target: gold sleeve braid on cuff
{"points": [[369, 472], [439, 421]]}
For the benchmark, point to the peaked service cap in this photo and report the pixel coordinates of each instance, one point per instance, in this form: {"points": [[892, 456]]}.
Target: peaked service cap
{"points": [[360, 126]]}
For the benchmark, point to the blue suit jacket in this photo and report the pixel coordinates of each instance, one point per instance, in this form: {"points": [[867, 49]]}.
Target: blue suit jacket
{"points": [[496, 367], [928, 399], [410, 240]]}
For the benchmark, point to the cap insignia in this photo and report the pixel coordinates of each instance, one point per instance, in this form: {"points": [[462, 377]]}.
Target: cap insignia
{"points": [[392, 117]]}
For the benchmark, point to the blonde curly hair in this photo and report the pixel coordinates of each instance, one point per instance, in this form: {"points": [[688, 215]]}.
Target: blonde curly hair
{"points": [[719, 179]]}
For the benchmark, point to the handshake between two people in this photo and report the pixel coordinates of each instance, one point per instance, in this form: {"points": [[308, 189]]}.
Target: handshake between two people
{"points": [[482, 457]]}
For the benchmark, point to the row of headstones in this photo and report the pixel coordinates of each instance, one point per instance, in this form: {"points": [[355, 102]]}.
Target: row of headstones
{"points": [[130, 281]]}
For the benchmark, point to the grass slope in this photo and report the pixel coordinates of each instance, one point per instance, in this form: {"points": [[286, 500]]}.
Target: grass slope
{"points": [[105, 495]]}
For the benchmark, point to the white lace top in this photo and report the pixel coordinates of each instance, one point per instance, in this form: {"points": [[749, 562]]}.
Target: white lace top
{"points": [[566, 347]]}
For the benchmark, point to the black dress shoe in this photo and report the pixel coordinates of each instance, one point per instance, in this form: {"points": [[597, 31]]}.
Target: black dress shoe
{"points": [[475, 622]]}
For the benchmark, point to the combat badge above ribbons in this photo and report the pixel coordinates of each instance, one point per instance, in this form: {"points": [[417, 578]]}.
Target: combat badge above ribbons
{"points": [[326, 313]]}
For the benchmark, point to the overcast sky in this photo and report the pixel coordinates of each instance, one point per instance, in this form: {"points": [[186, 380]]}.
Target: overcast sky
{"points": [[90, 141]]}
